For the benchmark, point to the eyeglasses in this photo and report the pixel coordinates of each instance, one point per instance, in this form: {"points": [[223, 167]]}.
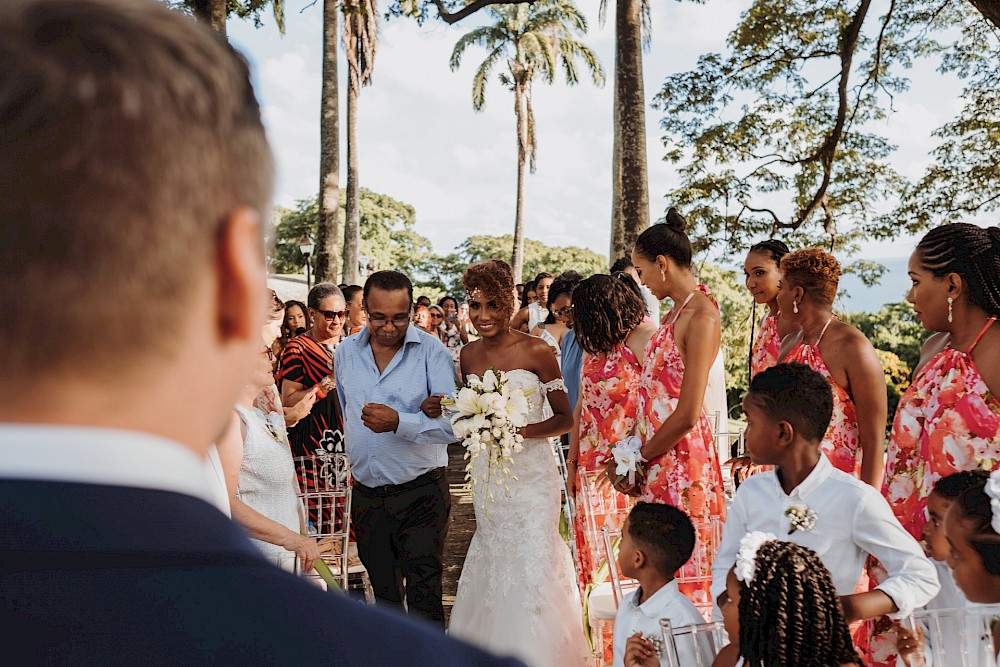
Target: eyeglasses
{"points": [[398, 321], [563, 312], [270, 354], [332, 314]]}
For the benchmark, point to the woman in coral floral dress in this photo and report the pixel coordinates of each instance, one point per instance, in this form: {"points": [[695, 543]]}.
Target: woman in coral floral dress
{"points": [[762, 271], [855, 441], [608, 318], [949, 418], [683, 465]]}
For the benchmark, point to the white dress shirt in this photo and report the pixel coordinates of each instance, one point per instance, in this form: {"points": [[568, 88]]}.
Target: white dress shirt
{"points": [[107, 457], [668, 602], [853, 520]]}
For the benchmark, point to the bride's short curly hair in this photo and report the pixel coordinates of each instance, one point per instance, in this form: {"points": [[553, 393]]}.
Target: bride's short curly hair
{"points": [[491, 281]]}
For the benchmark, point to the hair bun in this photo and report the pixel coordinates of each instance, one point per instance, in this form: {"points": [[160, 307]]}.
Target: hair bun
{"points": [[675, 221]]}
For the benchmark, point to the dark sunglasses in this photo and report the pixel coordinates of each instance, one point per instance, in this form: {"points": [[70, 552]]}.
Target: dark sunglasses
{"points": [[436, 316], [332, 314]]}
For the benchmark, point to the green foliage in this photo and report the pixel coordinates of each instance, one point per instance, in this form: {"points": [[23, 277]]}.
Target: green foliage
{"points": [[783, 134], [388, 239], [243, 9], [446, 272]]}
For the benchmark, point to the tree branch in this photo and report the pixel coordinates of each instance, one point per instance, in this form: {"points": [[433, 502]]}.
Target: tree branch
{"points": [[471, 8]]}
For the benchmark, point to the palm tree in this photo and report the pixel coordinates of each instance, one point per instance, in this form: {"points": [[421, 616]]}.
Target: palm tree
{"points": [[360, 42], [536, 40], [215, 12], [327, 231]]}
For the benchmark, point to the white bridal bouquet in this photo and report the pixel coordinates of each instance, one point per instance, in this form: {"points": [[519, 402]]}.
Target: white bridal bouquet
{"points": [[487, 413]]}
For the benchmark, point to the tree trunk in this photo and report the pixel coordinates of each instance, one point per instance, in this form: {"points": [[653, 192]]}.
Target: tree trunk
{"points": [[328, 231], [617, 223], [631, 121], [352, 232], [990, 9], [521, 112], [212, 12]]}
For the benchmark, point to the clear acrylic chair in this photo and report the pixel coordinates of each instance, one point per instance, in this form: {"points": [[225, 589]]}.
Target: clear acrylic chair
{"points": [[326, 494], [697, 572], [602, 507], [692, 645], [957, 637]]}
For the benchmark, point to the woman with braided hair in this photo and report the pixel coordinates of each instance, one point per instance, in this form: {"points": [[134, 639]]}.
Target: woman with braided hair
{"points": [[855, 441], [948, 420], [781, 604], [762, 269]]}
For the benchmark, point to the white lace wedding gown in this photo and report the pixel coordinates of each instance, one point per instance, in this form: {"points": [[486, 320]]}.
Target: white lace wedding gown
{"points": [[517, 594]]}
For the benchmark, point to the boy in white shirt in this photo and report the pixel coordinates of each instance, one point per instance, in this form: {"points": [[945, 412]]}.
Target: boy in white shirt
{"points": [[913, 651], [807, 501], [656, 542]]}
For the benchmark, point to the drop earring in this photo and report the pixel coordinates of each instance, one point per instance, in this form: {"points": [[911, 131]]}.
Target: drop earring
{"points": [[950, 301], [663, 276], [795, 306]]}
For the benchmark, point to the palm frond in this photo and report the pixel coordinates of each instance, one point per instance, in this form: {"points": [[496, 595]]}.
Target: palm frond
{"points": [[482, 75], [483, 36]]}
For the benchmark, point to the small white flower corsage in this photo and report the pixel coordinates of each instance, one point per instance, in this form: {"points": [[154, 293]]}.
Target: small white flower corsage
{"points": [[993, 491], [746, 557], [800, 517], [628, 458]]}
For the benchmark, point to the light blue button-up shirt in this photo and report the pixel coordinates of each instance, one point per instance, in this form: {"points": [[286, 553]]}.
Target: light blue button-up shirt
{"points": [[422, 367]]}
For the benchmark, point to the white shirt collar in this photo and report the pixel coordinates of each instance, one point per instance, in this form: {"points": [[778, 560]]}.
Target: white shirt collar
{"points": [[653, 606], [812, 481], [108, 457]]}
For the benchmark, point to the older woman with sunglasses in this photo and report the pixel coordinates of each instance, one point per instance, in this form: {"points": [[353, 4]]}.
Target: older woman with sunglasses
{"points": [[307, 365]]}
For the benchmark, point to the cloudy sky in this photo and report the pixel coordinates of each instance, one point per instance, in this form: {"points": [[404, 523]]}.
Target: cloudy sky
{"points": [[421, 142]]}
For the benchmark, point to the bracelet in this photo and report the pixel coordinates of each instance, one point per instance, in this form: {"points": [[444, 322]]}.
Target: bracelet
{"points": [[573, 461]]}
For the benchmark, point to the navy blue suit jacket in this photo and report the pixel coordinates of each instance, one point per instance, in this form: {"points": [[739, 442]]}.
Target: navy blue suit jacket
{"points": [[123, 576]]}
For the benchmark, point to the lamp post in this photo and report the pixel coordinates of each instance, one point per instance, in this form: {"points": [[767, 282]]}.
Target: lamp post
{"points": [[306, 247]]}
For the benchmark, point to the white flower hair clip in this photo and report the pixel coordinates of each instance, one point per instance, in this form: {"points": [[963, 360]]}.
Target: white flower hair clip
{"points": [[993, 491], [746, 557]]}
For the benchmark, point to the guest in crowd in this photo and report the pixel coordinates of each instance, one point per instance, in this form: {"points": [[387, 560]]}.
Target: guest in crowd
{"points": [[260, 474], [398, 454], [356, 318], [762, 270], [844, 520], [970, 526], [560, 318], [530, 296], [537, 311], [136, 170], [307, 365], [464, 322], [623, 265], [781, 609], [657, 540], [855, 441], [520, 292], [296, 320], [423, 301], [437, 322], [422, 318], [683, 465], [454, 332], [910, 646], [946, 420], [610, 329]]}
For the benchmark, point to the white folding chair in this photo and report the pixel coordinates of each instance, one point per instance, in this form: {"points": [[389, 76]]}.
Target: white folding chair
{"points": [[692, 645], [960, 637], [326, 493]]}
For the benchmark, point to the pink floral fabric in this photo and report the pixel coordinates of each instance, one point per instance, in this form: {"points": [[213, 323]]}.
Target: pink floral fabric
{"points": [[764, 352], [688, 476], [610, 393], [842, 442], [947, 421]]}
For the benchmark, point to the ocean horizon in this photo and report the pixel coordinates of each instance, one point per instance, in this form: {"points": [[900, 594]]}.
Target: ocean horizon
{"points": [[892, 287]]}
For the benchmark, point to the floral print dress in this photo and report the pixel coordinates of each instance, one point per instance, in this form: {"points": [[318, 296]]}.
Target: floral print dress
{"points": [[609, 388], [842, 442], [947, 421], [764, 353], [688, 475]]}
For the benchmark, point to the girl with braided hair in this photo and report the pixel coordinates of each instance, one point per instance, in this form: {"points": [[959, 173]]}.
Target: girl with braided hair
{"points": [[781, 604], [948, 420], [855, 440], [762, 271]]}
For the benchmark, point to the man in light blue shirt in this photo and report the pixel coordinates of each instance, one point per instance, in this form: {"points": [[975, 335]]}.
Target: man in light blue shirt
{"points": [[388, 375]]}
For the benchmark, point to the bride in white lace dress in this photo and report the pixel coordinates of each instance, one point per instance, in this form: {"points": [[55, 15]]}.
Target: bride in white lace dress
{"points": [[517, 594]]}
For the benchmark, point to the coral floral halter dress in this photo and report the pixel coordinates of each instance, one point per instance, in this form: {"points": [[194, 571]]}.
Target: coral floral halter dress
{"points": [[947, 421], [766, 346], [688, 475], [842, 441]]}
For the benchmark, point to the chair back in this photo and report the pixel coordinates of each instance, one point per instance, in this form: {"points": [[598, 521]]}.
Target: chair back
{"points": [[603, 508], [960, 637], [326, 494], [692, 645]]}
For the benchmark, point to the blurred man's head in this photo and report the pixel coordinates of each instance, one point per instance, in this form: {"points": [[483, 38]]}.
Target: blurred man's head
{"points": [[134, 175]]}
